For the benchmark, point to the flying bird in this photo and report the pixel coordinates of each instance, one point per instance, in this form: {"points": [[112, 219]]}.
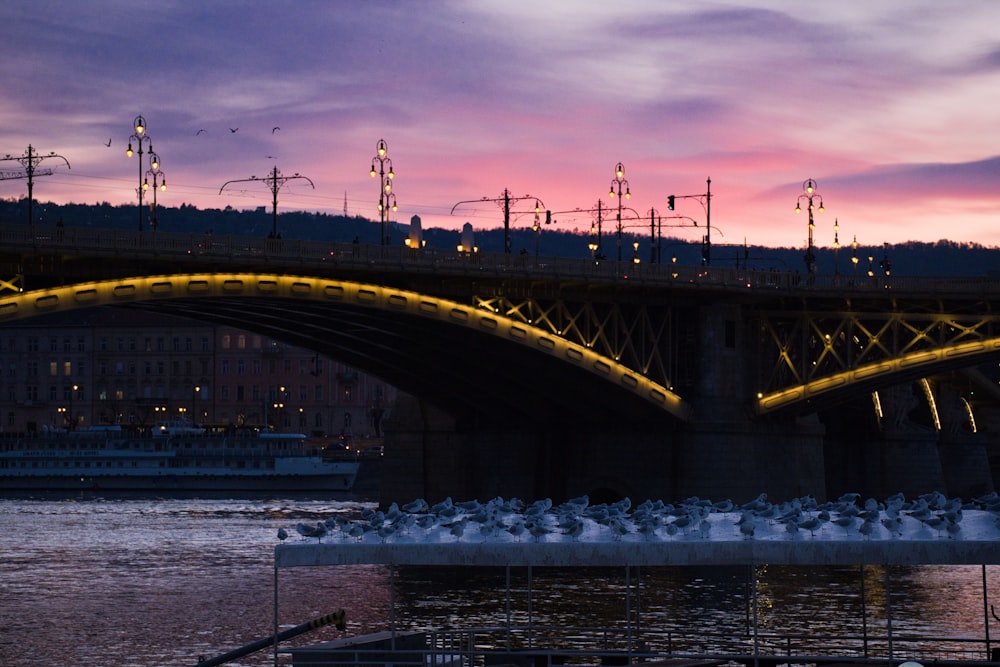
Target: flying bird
{"points": [[275, 129], [233, 130], [108, 144], [198, 132]]}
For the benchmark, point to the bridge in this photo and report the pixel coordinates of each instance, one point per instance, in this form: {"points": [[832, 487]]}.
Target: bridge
{"points": [[554, 375]]}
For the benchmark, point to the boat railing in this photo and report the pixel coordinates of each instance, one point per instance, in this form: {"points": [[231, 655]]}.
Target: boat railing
{"points": [[548, 646]]}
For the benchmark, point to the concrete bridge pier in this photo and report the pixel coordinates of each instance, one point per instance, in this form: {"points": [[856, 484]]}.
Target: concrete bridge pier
{"points": [[965, 466], [429, 456], [740, 460], [965, 463]]}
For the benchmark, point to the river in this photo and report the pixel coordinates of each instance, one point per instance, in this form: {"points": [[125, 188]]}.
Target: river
{"points": [[93, 582]]}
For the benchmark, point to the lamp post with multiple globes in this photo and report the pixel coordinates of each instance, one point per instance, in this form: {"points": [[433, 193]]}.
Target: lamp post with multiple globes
{"points": [[617, 183], [140, 136], [812, 199], [386, 198], [159, 182]]}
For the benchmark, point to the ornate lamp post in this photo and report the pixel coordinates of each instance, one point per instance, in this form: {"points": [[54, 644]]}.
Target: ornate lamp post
{"points": [[812, 199], [618, 182], [836, 246], [854, 255], [386, 198], [592, 246], [140, 136], [159, 181]]}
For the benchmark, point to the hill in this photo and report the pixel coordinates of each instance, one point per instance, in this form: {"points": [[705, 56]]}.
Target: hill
{"points": [[943, 258]]}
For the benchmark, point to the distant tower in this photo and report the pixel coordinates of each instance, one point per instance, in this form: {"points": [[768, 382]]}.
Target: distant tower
{"points": [[345, 203]]}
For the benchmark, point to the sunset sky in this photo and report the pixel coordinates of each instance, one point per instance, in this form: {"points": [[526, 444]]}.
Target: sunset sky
{"points": [[892, 106]]}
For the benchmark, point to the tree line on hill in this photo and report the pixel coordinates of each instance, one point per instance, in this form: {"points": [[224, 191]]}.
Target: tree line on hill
{"points": [[942, 258]]}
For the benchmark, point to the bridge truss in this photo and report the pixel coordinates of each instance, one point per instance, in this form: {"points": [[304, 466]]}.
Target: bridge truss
{"points": [[828, 346]]}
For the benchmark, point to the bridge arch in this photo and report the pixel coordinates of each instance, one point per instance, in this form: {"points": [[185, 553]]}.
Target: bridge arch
{"points": [[406, 337], [887, 372]]}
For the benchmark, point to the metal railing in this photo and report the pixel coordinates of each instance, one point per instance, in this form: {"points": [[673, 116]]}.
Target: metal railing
{"points": [[317, 256], [541, 646]]}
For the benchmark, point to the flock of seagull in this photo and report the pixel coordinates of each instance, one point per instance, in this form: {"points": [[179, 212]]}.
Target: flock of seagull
{"points": [[930, 515]]}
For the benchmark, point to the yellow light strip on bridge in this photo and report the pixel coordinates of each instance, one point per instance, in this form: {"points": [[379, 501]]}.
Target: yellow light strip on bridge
{"points": [[228, 285], [770, 402]]}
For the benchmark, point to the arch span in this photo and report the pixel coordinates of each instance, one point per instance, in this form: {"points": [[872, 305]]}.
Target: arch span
{"points": [[893, 371], [382, 329]]}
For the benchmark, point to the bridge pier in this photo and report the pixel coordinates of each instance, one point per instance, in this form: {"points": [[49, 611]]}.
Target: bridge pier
{"points": [[740, 460], [427, 456], [965, 466]]}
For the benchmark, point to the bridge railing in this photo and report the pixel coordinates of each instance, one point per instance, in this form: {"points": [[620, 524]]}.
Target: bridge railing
{"points": [[285, 253]]}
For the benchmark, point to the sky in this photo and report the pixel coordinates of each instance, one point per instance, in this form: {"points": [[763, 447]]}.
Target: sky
{"points": [[891, 107]]}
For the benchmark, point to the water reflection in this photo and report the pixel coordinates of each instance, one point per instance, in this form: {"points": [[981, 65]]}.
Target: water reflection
{"points": [[164, 581]]}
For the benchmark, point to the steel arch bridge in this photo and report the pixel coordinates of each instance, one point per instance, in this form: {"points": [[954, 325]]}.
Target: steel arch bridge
{"points": [[459, 355], [544, 339]]}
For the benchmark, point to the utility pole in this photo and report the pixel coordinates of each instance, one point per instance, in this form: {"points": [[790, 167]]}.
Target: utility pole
{"points": [[274, 183], [706, 201], [506, 221], [30, 161], [504, 202]]}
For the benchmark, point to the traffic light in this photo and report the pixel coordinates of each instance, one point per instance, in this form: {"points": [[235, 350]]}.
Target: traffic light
{"points": [[548, 217], [670, 202]]}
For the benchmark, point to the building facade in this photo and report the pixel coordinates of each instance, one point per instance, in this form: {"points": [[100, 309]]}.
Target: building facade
{"points": [[132, 368]]}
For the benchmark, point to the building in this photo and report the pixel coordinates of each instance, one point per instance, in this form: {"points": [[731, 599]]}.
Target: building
{"points": [[134, 368]]}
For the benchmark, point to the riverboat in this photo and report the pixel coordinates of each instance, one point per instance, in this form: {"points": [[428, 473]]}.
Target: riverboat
{"points": [[171, 458]]}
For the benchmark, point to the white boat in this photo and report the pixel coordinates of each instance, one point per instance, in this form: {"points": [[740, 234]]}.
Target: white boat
{"points": [[105, 458]]}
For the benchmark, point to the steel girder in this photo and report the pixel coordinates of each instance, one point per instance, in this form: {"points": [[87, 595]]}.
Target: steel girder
{"points": [[640, 336], [809, 351]]}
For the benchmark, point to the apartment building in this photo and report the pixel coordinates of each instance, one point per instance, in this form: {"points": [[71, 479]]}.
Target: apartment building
{"points": [[134, 368]]}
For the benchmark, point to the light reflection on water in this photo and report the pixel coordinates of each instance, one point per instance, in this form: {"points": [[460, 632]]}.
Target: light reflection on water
{"points": [[143, 582]]}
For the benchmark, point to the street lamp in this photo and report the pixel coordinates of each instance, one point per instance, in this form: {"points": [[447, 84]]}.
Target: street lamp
{"points": [[537, 228], [836, 246], [854, 254], [812, 198], [593, 246], [154, 171], [386, 198], [618, 182], [140, 136]]}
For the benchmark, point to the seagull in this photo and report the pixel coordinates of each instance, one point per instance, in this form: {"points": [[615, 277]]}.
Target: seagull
{"points": [[537, 529], [108, 144], [418, 505], [198, 132], [516, 529], [275, 129], [233, 130], [458, 528]]}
